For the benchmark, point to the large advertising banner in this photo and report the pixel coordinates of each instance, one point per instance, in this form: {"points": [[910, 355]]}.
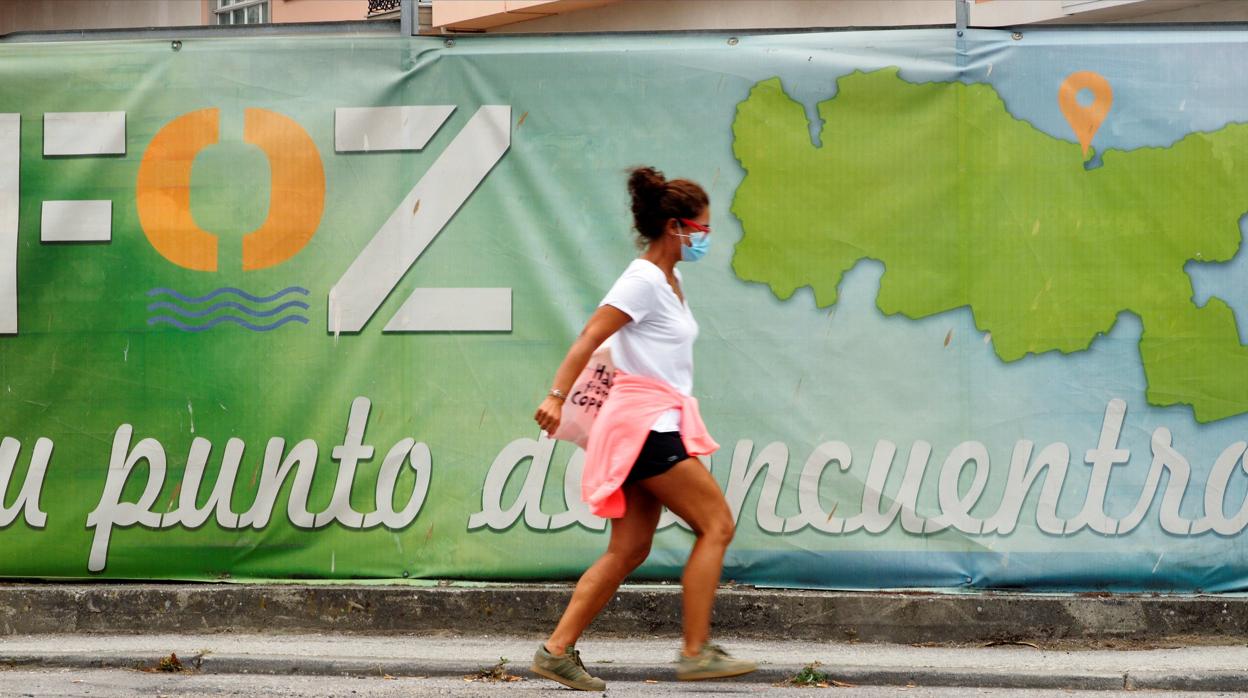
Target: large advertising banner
{"points": [[974, 314]]}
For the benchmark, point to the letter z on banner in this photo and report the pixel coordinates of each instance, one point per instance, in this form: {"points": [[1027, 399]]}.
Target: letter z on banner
{"points": [[415, 223]]}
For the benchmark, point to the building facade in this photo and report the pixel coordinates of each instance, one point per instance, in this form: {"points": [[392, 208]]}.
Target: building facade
{"points": [[560, 16]]}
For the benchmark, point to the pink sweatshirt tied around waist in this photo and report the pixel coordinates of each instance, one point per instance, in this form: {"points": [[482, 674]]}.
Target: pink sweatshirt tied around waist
{"points": [[620, 430]]}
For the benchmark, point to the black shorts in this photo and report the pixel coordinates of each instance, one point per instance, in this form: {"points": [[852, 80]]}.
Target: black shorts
{"points": [[662, 451]]}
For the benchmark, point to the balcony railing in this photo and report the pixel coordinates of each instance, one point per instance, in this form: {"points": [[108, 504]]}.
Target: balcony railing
{"points": [[376, 7]]}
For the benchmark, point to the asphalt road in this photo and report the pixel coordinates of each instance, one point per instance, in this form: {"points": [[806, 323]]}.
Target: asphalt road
{"points": [[109, 683]]}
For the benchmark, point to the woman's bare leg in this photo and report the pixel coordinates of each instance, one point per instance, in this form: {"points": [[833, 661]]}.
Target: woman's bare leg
{"points": [[631, 536], [689, 490]]}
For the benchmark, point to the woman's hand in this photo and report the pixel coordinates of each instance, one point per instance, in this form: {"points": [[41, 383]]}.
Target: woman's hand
{"points": [[548, 414], [605, 321]]}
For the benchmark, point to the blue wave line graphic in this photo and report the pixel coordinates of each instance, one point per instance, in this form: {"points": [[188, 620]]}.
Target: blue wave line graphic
{"points": [[166, 305], [225, 318], [228, 289]]}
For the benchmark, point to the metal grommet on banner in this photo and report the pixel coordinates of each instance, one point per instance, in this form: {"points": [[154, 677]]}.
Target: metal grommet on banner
{"points": [[450, 43], [176, 45], [733, 41], [1017, 36]]}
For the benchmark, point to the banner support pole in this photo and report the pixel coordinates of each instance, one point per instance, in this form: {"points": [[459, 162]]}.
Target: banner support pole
{"points": [[407, 25]]}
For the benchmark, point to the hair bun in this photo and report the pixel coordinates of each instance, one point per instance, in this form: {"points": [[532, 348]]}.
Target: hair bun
{"points": [[646, 184]]}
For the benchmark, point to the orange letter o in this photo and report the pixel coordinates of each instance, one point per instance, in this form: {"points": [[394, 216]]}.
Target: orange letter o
{"points": [[163, 190]]}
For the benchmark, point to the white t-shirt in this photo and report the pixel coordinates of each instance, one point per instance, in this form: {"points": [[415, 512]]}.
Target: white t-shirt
{"points": [[658, 343]]}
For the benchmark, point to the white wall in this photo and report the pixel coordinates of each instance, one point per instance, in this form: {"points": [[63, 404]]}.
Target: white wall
{"points": [[48, 15], [1003, 13], [650, 15], [1157, 11], [659, 15]]}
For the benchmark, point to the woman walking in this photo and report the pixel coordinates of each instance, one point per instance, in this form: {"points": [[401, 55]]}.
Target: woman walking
{"points": [[640, 452]]}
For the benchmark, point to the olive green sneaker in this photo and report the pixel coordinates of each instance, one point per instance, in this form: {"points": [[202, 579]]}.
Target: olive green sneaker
{"points": [[711, 663], [567, 670]]}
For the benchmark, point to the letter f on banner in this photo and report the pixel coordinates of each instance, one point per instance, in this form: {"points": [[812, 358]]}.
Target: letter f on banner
{"points": [[414, 224]]}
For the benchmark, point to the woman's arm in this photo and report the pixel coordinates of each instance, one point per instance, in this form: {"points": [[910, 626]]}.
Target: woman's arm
{"points": [[605, 321]]}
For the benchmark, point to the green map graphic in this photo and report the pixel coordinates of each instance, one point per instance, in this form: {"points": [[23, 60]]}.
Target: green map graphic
{"points": [[965, 205]]}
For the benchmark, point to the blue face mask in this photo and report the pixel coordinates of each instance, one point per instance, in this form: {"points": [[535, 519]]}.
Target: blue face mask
{"points": [[699, 243]]}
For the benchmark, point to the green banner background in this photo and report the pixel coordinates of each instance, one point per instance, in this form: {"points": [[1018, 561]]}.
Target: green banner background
{"points": [[777, 377]]}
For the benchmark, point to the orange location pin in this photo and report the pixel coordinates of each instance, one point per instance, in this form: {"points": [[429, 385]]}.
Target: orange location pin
{"points": [[1085, 120]]}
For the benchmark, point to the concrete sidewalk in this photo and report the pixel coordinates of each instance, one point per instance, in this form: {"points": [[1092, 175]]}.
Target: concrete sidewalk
{"points": [[636, 611], [1191, 668], [863, 638]]}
